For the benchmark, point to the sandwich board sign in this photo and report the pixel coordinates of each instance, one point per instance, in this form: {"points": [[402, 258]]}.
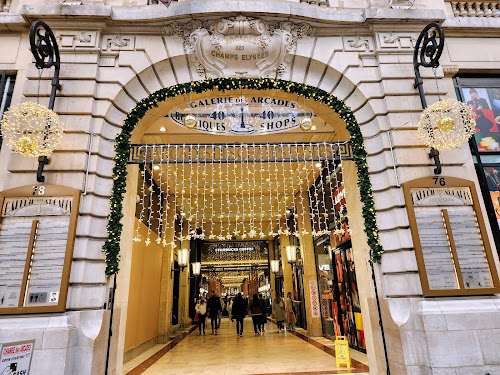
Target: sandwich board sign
{"points": [[15, 357]]}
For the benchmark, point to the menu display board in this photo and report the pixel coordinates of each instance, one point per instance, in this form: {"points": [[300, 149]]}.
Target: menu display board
{"points": [[451, 245], [37, 232]]}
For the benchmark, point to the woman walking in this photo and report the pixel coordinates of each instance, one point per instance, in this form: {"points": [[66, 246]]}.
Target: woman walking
{"points": [[201, 310], [279, 312], [256, 313]]}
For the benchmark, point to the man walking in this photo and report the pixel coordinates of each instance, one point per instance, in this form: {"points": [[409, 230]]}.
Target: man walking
{"points": [[214, 307], [239, 312]]}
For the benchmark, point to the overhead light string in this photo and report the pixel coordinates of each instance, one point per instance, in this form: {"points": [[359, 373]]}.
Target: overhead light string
{"points": [[150, 207], [137, 237], [292, 184], [160, 198], [301, 184], [221, 192], [276, 170], [196, 200], [229, 203], [324, 214], [176, 196], [190, 205], [166, 223], [271, 208], [240, 187], [261, 194], [285, 196], [236, 231], [204, 204], [329, 179], [212, 191]]}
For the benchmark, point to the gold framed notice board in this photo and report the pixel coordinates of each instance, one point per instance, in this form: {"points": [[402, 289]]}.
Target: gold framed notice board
{"points": [[454, 255], [37, 235]]}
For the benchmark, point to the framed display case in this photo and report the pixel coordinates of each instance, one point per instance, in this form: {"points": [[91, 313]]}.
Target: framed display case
{"points": [[37, 235], [453, 252]]}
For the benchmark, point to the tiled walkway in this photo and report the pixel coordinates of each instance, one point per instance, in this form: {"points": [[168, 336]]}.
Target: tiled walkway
{"points": [[272, 353]]}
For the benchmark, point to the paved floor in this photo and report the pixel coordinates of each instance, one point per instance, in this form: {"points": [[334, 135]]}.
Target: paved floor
{"points": [[228, 354]]}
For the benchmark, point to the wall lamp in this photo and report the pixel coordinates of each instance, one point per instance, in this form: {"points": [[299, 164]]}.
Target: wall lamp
{"points": [[182, 260], [196, 266], [275, 266], [291, 254]]}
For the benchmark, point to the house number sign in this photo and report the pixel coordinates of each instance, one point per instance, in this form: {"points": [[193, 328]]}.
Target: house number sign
{"points": [[37, 233], [453, 253]]}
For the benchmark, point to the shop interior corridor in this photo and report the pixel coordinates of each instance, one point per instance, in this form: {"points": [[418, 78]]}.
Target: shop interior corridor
{"points": [[227, 354]]}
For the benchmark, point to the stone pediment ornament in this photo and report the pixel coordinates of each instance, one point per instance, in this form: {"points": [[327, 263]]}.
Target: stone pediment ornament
{"points": [[240, 46]]}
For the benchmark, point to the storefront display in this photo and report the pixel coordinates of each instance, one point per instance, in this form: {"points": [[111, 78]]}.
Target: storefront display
{"points": [[482, 93]]}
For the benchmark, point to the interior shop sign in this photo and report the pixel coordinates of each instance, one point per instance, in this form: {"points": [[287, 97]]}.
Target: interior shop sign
{"points": [[242, 115]]}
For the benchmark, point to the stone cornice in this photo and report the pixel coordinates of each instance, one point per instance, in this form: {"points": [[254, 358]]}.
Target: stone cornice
{"points": [[320, 16]]}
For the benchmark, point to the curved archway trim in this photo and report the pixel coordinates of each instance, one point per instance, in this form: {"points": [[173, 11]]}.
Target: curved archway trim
{"points": [[111, 247]]}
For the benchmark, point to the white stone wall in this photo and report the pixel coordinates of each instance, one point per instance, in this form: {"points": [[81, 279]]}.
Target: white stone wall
{"points": [[362, 56]]}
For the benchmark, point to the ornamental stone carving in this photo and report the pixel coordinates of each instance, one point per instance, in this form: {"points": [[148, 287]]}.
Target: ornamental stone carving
{"points": [[239, 46]]}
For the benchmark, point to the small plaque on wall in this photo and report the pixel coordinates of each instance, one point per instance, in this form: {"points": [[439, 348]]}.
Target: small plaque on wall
{"points": [[453, 252], [37, 234]]}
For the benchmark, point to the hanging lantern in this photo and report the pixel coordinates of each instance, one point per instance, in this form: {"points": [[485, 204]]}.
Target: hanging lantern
{"points": [[446, 124], [306, 124], [190, 121], [32, 129]]}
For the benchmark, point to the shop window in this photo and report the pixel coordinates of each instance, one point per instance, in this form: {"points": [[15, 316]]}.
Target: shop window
{"points": [[482, 93], [7, 82]]}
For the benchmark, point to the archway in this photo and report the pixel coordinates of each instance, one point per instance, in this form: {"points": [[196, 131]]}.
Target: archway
{"points": [[363, 213]]}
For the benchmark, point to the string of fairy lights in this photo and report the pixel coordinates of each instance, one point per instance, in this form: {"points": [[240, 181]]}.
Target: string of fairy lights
{"points": [[240, 191]]}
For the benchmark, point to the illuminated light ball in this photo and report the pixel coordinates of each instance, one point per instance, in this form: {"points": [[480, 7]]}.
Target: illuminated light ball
{"points": [[446, 123], [31, 129], [190, 121], [306, 124], [26, 146]]}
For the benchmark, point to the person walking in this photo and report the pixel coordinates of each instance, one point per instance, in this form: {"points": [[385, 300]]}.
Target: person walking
{"points": [[214, 307], [219, 316], [289, 306], [279, 312], [239, 310], [201, 310], [263, 307], [230, 309], [256, 313]]}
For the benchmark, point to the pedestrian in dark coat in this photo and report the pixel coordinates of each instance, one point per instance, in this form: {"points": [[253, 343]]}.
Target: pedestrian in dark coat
{"points": [[214, 307], [256, 313], [263, 307], [239, 312]]}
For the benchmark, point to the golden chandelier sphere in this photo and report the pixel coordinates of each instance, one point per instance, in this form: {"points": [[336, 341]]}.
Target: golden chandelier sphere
{"points": [[306, 124], [190, 121], [32, 129], [446, 124]]}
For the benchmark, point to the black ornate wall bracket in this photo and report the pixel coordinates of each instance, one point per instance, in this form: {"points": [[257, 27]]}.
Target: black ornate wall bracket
{"points": [[46, 53], [428, 50]]}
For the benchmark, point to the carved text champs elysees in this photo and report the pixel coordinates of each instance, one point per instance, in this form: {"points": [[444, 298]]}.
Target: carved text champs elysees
{"points": [[240, 46]]}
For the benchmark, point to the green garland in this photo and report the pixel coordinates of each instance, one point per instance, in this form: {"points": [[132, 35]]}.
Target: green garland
{"points": [[112, 245]]}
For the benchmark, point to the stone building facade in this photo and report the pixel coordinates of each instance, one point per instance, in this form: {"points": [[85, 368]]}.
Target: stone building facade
{"points": [[115, 53]]}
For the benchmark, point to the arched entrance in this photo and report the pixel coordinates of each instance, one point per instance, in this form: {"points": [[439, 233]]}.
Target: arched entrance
{"points": [[339, 126]]}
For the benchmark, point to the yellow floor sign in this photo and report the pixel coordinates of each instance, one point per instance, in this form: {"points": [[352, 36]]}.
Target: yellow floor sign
{"points": [[342, 354]]}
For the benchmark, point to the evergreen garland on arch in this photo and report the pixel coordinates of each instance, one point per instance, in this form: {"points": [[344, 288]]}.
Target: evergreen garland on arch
{"points": [[111, 247]]}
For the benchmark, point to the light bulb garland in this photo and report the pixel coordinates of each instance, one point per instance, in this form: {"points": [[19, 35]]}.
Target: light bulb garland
{"points": [[111, 247]]}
